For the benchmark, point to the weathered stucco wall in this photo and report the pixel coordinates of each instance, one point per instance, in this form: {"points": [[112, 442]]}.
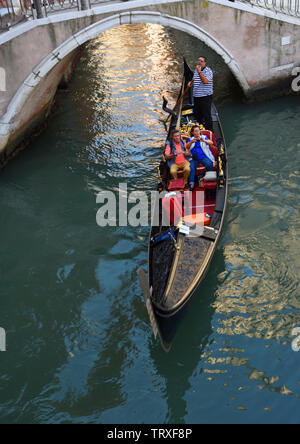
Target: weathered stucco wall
{"points": [[37, 107], [23, 53], [254, 41]]}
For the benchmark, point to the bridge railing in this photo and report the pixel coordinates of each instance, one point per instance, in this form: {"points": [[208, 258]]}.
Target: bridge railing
{"points": [[13, 12], [290, 7], [56, 6]]}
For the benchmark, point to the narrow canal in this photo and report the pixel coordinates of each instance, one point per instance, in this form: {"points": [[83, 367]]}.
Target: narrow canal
{"points": [[80, 346]]}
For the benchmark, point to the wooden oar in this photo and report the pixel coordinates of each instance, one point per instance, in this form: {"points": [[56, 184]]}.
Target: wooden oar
{"points": [[179, 101], [146, 292]]}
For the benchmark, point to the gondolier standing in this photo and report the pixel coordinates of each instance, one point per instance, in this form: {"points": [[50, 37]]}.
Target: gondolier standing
{"points": [[203, 93]]}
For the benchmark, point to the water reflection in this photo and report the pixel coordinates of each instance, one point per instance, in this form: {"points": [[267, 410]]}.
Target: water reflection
{"points": [[258, 296], [188, 350]]}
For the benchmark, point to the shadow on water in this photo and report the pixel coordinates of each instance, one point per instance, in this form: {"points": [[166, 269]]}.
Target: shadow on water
{"points": [[190, 342], [121, 344]]}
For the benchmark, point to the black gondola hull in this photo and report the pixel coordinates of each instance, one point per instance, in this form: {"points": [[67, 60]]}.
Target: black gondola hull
{"points": [[173, 280]]}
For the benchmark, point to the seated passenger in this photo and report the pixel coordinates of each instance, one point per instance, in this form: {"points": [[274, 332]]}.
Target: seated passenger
{"points": [[199, 147], [176, 155]]}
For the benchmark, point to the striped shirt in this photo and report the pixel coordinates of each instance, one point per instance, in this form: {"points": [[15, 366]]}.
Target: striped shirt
{"points": [[200, 88]]}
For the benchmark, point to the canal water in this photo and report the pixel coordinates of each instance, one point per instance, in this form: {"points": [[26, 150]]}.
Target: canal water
{"points": [[79, 343]]}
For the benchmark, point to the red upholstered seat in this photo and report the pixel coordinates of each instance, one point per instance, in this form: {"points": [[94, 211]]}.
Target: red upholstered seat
{"points": [[201, 170], [210, 189], [210, 135], [214, 151], [173, 209], [176, 184], [210, 185]]}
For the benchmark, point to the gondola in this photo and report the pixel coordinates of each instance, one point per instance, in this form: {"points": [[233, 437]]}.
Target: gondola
{"points": [[181, 249]]}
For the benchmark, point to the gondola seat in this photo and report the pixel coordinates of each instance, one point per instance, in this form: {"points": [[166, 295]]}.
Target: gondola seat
{"points": [[210, 189], [211, 136], [201, 170], [210, 185], [177, 184]]}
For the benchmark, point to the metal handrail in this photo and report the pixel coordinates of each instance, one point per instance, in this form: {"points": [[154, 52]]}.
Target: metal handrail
{"points": [[14, 12], [56, 6], [288, 7]]}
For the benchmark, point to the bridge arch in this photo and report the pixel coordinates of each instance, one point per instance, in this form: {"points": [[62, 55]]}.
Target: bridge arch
{"points": [[92, 31]]}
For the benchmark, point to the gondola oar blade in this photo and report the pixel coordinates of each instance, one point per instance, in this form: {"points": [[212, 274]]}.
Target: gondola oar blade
{"points": [[145, 288]]}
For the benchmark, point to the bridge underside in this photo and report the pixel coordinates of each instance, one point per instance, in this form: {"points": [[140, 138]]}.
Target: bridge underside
{"points": [[47, 51]]}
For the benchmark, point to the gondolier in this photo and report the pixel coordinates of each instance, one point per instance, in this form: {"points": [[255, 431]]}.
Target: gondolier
{"points": [[203, 93]]}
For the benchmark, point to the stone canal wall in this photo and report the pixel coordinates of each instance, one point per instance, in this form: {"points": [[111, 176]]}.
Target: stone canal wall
{"points": [[31, 117]]}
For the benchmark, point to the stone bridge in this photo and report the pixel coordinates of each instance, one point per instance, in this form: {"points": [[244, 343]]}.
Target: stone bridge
{"points": [[261, 48]]}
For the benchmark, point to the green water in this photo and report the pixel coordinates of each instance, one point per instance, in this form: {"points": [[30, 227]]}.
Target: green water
{"points": [[79, 342]]}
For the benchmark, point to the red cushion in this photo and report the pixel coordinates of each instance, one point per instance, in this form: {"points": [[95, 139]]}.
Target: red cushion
{"points": [[177, 184], [173, 209], [200, 170], [214, 151], [210, 135], [210, 185], [213, 148]]}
